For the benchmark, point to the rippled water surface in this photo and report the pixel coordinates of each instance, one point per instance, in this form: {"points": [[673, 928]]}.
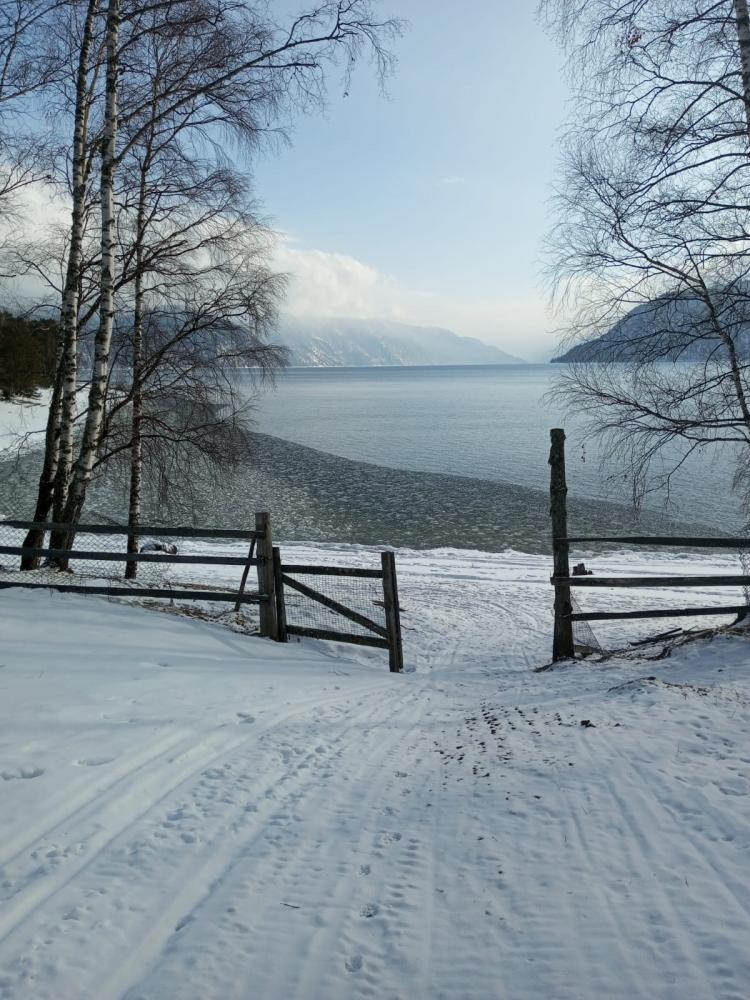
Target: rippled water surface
{"points": [[485, 422], [423, 457]]}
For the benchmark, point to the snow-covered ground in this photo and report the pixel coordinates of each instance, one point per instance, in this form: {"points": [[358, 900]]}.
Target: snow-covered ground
{"points": [[22, 422], [190, 812]]}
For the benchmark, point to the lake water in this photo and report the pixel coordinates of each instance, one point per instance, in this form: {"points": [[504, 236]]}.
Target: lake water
{"points": [[484, 422], [420, 457]]}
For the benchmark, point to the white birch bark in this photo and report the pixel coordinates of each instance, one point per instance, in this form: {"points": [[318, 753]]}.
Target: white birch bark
{"points": [[58, 443], [91, 437], [72, 277]]}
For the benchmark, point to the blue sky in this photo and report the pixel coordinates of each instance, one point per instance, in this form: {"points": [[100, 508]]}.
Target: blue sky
{"points": [[430, 204]]}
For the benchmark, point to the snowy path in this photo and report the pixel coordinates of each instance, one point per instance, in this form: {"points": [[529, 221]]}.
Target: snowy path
{"points": [[187, 812]]}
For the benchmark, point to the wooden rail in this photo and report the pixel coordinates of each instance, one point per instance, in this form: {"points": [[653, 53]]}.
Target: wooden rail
{"points": [[604, 616], [645, 582], [674, 541], [144, 557], [118, 529], [331, 636], [167, 593]]}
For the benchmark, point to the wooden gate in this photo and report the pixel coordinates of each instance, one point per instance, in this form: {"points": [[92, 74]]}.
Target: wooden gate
{"points": [[299, 604]]}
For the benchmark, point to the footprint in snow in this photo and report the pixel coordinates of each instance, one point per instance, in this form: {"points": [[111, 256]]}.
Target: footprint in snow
{"points": [[353, 963], [18, 773], [369, 910], [389, 838], [245, 717], [364, 869]]}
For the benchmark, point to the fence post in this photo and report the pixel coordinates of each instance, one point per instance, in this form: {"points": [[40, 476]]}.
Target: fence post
{"points": [[392, 612], [266, 583], [562, 642], [282, 634]]}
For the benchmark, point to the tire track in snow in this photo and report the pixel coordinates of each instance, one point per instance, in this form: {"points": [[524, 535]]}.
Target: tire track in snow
{"points": [[282, 858], [218, 874], [127, 800]]}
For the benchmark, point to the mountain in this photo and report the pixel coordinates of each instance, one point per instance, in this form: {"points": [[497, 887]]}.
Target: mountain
{"points": [[670, 328], [337, 343]]}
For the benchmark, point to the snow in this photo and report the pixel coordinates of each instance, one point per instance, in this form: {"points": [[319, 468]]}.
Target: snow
{"points": [[190, 812], [22, 421]]}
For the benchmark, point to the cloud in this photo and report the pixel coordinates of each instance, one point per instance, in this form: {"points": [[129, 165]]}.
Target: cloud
{"points": [[335, 284], [323, 283]]}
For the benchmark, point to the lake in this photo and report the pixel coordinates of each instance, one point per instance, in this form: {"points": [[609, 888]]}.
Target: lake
{"points": [[416, 457], [484, 422]]}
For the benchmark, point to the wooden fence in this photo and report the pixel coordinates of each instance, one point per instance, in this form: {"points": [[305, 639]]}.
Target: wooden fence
{"points": [[260, 555], [563, 645], [273, 578]]}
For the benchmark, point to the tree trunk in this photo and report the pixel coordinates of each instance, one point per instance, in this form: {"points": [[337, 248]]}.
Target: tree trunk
{"points": [[91, 439], [34, 538], [743, 37], [72, 276], [58, 444]]}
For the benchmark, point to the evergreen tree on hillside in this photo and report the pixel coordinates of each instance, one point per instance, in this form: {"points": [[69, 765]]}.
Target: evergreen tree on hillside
{"points": [[27, 355]]}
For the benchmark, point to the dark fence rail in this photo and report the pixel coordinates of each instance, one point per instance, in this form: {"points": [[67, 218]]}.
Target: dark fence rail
{"points": [[674, 541], [137, 557], [563, 644], [118, 529]]}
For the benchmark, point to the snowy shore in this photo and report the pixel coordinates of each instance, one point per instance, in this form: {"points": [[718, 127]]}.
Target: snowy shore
{"points": [[192, 812]]}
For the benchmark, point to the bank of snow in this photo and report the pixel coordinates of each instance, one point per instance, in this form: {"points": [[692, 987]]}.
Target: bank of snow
{"points": [[191, 812], [22, 422]]}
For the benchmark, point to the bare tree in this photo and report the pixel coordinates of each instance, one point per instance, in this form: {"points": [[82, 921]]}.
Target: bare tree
{"points": [[651, 247]]}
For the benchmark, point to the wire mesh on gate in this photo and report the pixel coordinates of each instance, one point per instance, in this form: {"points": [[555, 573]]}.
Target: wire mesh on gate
{"points": [[584, 637], [88, 570], [364, 595]]}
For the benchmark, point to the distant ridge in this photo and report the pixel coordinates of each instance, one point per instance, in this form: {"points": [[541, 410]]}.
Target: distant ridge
{"points": [[339, 343], [670, 328]]}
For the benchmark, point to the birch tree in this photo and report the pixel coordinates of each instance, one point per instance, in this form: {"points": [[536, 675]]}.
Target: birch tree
{"points": [[240, 73], [81, 474]]}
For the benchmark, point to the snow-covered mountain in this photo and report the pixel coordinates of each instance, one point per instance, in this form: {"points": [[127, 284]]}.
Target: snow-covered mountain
{"points": [[348, 342], [674, 327]]}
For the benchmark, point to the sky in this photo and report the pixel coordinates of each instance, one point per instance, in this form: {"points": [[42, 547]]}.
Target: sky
{"points": [[429, 204]]}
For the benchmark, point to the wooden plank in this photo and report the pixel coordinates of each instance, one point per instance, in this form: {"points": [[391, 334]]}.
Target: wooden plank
{"points": [[266, 584], [278, 577], [563, 646], [332, 605], [656, 581], [118, 529], [371, 574], [152, 557], [392, 612], [172, 595], [681, 541], [248, 563], [603, 616], [320, 633]]}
